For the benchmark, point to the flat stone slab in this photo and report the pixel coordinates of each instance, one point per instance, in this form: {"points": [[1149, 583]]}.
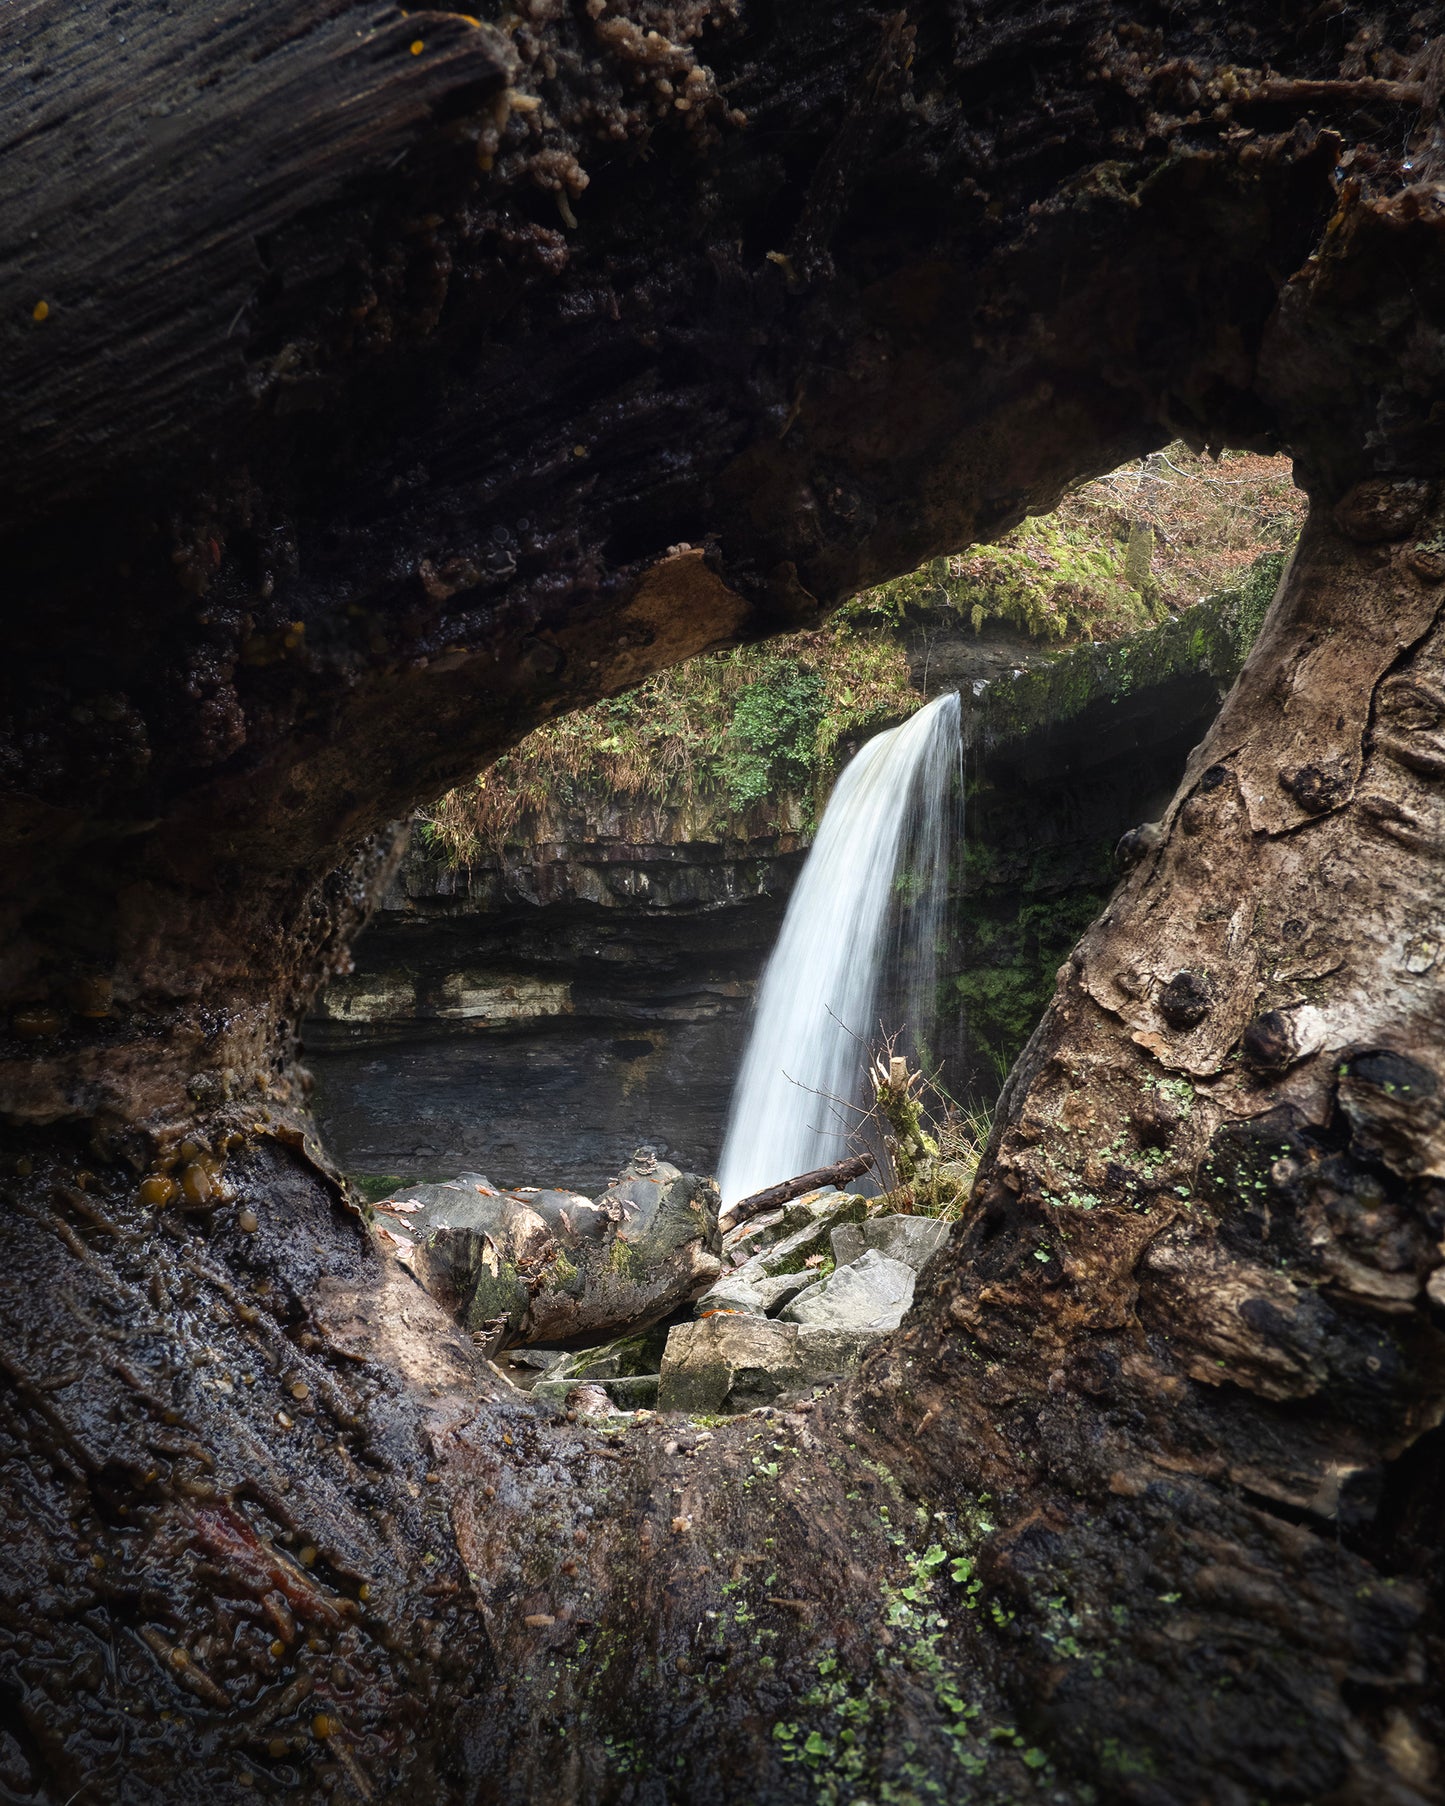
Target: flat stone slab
{"points": [[728, 1364], [909, 1239], [871, 1294]]}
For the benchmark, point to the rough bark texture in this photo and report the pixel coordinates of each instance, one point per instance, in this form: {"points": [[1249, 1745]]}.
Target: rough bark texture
{"points": [[380, 386]]}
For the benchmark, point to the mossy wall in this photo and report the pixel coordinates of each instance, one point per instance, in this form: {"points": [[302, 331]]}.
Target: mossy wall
{"points": [[1061, 761]]}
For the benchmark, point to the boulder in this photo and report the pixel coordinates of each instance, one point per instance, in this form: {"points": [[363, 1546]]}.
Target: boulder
{"points": [[909, 1239], [752, 1290], [625, 1358], [551, 1266], [728, 1364], [871, 1294], [630, 1392], [827, 1206], [733, 1292]]}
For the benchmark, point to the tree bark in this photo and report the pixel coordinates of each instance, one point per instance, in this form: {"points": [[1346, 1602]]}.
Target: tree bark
{"points": [[382, 386]]}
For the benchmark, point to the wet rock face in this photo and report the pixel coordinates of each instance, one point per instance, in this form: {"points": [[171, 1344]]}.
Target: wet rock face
{"points": [[730, 1364], [586, 1029], [555, 1267]]}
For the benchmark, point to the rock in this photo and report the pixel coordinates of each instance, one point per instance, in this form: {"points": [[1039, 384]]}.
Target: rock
{"points": [[788, 1252], [1382, 507], [779, 1289], [730, 1364], [591, 1399], [752, 1290], [622, 1359], [779, 1270], [734, 1292], [909, 1239], [826, 1204], [544, 1359], [632, 1392], [552, 1266], [870, 1294]]}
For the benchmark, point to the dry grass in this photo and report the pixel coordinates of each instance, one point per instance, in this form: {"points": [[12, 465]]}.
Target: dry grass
{"points": [[1211, 519]]}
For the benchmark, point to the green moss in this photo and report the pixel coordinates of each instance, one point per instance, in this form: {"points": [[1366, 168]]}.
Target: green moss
{"points": [[771, 740], [1054, 578], [1210, 637], [1010, 968], [1244, 605], [562, 1273], [624, 1261], [376, 1186], [734, 742]]}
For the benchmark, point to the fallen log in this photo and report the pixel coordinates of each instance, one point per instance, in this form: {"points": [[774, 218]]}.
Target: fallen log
{"points": [[839, 1173]]}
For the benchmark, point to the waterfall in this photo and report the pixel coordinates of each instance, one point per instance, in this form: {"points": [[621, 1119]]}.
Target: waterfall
{"points": [[881, 858]]}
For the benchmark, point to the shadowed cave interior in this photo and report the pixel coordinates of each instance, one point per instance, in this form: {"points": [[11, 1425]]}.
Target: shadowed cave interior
{"points": [[475, 381]]}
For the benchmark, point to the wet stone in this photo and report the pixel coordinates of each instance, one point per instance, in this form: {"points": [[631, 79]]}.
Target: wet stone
{"points": [[632, 1392], [871, 1294], [730, 1364], [907, 1239]]}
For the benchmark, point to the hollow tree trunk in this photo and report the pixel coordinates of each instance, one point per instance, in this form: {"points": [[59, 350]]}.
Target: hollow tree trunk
{"points": [[354, 433]]}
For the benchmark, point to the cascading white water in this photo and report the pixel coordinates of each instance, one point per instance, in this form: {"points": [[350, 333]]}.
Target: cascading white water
{"points": [[889, 816]]}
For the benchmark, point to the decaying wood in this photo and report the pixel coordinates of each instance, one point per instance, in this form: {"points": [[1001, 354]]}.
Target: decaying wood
{"points": [[370, 405], [839, 1173]]}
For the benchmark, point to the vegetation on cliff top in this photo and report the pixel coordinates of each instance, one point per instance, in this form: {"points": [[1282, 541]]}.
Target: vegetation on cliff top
{"points": [[736, 740]]}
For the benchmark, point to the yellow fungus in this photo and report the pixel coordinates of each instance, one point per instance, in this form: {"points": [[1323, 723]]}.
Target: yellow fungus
{"points": [[38, 1024], [417, 46], [307, 1556], [40, 311], [363, 1592], [157, 1191], [323, 1725], [196, 1183], [278, 1649], [300, 1390], [248, 1222]]}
